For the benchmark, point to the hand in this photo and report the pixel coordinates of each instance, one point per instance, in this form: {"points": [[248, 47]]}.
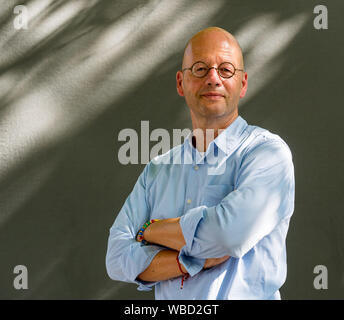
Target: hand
{"points": [[211, 262]]}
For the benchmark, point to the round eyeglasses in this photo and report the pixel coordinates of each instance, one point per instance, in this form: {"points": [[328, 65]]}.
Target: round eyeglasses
{"points": [[200, 69]]}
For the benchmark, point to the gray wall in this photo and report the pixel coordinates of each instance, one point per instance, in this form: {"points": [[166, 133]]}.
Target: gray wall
{"points": [[84, 70]]}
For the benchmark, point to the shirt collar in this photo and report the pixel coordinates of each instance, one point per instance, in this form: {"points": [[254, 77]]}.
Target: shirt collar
{"points": [[228, 139]]}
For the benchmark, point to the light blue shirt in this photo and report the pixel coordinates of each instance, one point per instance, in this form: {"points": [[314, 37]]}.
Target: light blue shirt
{"points": [[235, 199]]}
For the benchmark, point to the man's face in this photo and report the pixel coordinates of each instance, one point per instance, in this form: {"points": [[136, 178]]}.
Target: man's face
{"points": [[212, 96]]}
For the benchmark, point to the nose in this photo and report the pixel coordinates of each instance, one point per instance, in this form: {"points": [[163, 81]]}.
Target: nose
{"points": [[213, 78]]}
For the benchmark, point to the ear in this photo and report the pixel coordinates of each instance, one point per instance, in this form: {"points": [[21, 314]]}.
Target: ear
{"points": [[179, 79], [243, 85]]}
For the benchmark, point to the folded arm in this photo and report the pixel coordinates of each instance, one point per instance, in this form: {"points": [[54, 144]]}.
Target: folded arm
{"points": [[264, 196], [128, 260], [164, 266], [166, 232]]}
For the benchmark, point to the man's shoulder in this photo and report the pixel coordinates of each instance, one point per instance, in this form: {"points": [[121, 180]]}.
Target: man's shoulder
{"points": [[262, 141], [262, 134]]}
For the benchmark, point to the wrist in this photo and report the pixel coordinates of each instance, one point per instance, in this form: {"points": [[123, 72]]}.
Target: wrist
{"points": [[183, 271], [146, 233], [142, 233], [183, 268]]}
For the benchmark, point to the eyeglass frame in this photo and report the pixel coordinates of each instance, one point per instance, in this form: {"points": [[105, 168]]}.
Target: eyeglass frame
{"points": [[217, 69]]}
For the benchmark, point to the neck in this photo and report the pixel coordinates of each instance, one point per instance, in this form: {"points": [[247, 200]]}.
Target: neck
{"points": [[205, 130]]}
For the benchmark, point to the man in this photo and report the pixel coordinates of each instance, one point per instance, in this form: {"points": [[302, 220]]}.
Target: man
{"points": [[224, 215]]}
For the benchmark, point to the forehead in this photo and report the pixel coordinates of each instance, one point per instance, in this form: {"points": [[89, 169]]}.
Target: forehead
{"points": [[212, 47]]}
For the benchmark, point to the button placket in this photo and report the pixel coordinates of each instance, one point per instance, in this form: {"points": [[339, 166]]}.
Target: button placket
{"points": [[191, 195]]}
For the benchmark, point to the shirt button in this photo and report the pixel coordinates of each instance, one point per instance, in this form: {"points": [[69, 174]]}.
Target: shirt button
{"points": [[196, 167], [188, 201]]}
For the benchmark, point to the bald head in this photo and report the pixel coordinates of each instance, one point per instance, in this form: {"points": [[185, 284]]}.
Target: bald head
{"points": [[209, 40]]}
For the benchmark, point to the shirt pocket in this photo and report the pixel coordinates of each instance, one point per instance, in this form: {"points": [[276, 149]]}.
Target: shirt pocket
{"points": [[213, 194]]}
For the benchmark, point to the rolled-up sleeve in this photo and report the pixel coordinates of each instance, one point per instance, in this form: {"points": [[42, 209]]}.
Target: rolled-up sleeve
{"points": [[126, 258], [263, 197]]}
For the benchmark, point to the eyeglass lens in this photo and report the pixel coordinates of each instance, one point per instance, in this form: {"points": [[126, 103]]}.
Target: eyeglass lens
{"points": [[200, 69]]}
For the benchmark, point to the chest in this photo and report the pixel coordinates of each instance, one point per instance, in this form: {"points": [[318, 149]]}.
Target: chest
{"points": [[180, 188]]}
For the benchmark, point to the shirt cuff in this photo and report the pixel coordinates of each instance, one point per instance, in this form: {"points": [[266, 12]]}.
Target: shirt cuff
{"points": [[145, 286], [188, 224], [191, 264]]}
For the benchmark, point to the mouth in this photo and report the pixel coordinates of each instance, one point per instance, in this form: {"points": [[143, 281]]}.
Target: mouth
{"points": [[212, 95]]}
